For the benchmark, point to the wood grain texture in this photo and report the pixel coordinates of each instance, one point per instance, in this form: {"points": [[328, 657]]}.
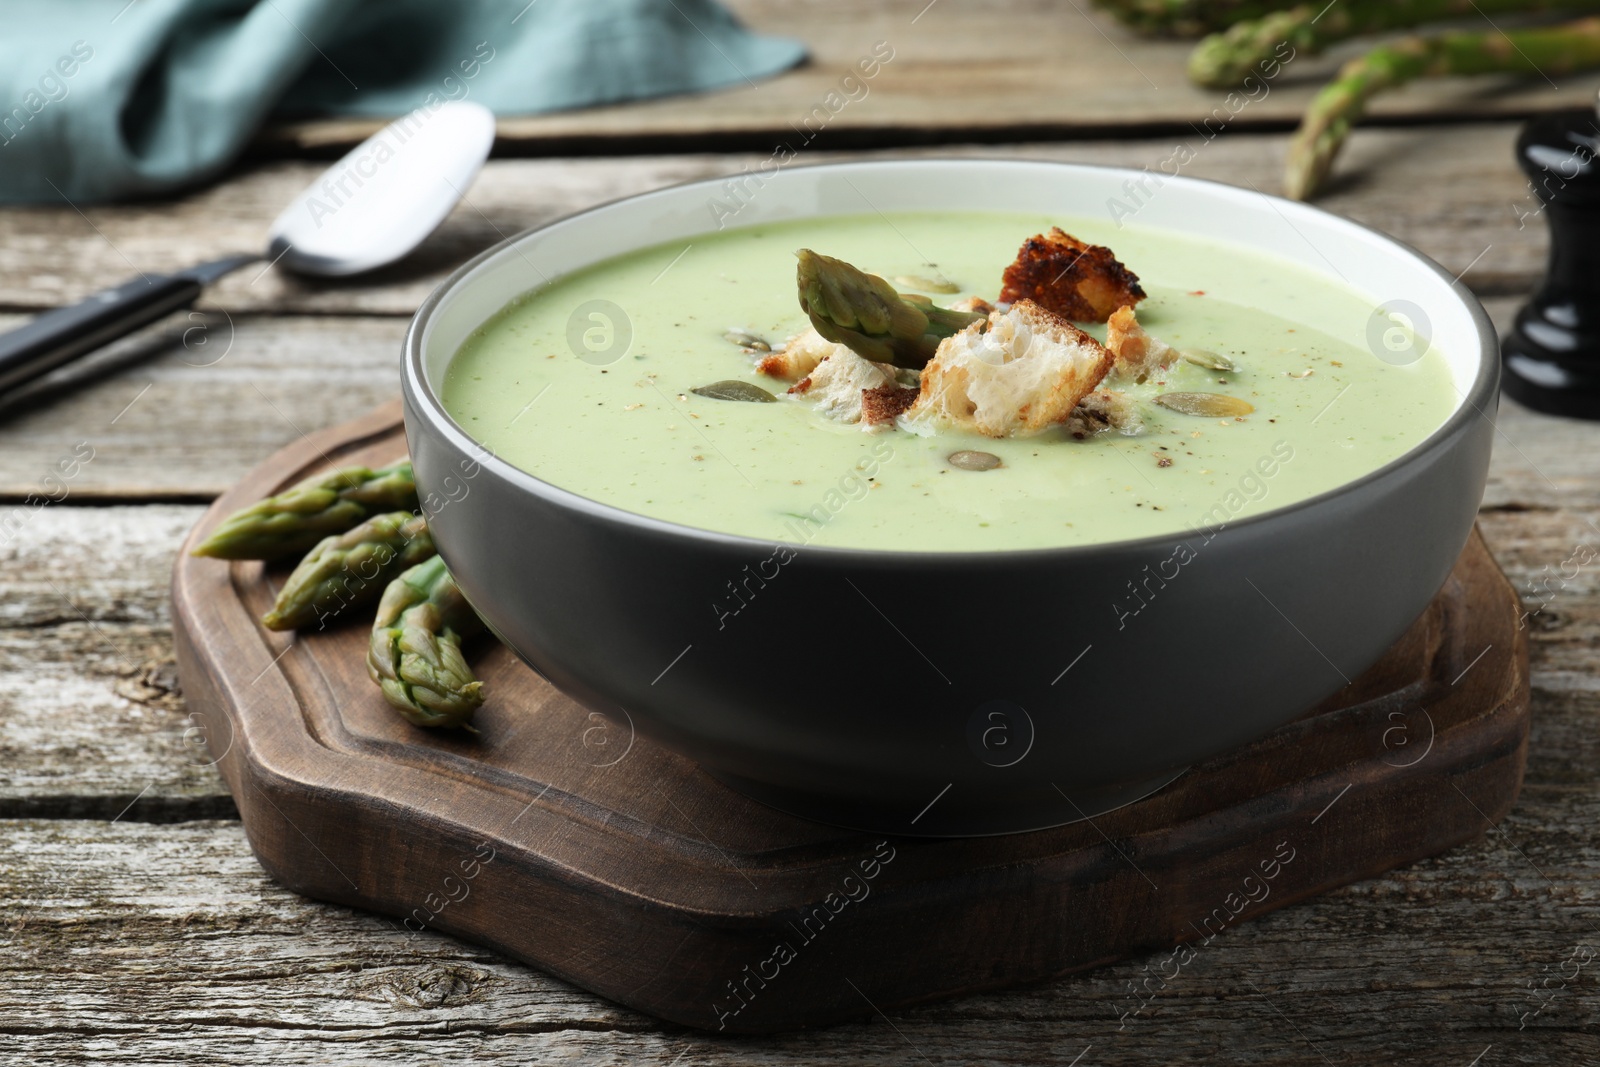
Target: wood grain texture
{"points": [[974, 68], [170, 944], [162, 419], [170, 940], [1475, 200], [563, 839], [132, 942]]}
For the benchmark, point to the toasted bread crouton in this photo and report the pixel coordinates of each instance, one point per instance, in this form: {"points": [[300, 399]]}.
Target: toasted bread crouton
{"points": [[1104, 410], [973, 303], [798, 356], [1081, 282], [838, 382], [1138, 354], [1021, 370], [886, 403]]}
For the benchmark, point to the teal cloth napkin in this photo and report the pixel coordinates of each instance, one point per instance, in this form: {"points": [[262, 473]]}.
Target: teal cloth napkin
{"points": [[103, 99]]}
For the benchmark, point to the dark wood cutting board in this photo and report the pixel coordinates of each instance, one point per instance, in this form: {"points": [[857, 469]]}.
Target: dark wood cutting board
{"points": [[560, 838]]}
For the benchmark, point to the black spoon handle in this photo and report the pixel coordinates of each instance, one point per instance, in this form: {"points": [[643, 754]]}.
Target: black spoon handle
{"points": [[65, 333]]}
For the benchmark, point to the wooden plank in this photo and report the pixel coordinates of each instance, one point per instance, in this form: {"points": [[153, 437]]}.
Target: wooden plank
{"points": [[181, 411], [1453, 191], [94, 726], [1539, 461], [89, 566], [92, 723], [168, 944], [987, 70]]}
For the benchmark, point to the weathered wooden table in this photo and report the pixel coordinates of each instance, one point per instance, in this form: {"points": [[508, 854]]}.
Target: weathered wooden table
{"points": [[136, 925]]}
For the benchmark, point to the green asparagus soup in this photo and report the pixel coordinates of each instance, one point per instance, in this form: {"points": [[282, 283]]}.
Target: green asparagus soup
{"points": [[587, 383]]}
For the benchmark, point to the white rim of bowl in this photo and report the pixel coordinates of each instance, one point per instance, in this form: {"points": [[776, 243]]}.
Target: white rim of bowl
{"points": [[417, 389]]}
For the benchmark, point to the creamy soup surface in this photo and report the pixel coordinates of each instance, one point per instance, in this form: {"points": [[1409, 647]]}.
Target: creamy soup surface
{"points": [[585, 383]]}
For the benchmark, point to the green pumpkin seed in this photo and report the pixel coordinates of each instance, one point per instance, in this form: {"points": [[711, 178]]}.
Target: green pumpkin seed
{"points": [[1206, 405], [1204, 357], [747, 339], [734, 389], [927, 285], [974, 461]]}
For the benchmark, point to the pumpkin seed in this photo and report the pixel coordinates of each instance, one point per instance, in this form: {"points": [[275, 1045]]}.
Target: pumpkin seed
{"points": [[1206, 405], [1204, 357], [927, 285], [974, 461], [747, 339], [734, 389]]}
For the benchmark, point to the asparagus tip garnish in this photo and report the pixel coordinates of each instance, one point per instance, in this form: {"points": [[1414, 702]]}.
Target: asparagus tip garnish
{"points": [[864, 313]]}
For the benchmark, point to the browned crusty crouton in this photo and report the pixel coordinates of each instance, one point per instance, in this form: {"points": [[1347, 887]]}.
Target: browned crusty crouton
{"points": [[1023, 369], [1078, 281], [798, 356], [1138, 354], [886, 403]]}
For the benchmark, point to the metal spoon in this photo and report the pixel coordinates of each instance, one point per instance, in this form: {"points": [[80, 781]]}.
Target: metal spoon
{"points": [[369, 209]]}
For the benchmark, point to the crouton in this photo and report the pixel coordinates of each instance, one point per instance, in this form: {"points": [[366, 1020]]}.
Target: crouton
{"points": [[1104, 410], [886, 403], [973, 303], [1078, 281], [1021, 370], [798, 356], [1138, 354], [838, 382]]}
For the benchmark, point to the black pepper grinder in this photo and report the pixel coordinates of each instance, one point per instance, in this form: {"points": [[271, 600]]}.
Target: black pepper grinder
{"points": [[1552, 356]]}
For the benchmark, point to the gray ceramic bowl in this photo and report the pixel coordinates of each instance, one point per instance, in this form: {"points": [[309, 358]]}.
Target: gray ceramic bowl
{"points": [[1054, 706]]}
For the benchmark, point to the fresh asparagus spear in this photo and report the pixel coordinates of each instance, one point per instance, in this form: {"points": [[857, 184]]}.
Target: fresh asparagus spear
{"points": [[1224, 60], [415, 654], [1547, 50], [1188, 18], [863, 312], [300, 516], [351, 568]]}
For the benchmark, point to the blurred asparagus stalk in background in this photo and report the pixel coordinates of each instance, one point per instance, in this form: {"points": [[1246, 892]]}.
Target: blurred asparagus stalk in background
{"points": [[1188, 18], [1545, 50], [1224, 60]]}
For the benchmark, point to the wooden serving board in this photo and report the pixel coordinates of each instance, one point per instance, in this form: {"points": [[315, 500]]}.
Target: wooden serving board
{"points": [[561, 838]]}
